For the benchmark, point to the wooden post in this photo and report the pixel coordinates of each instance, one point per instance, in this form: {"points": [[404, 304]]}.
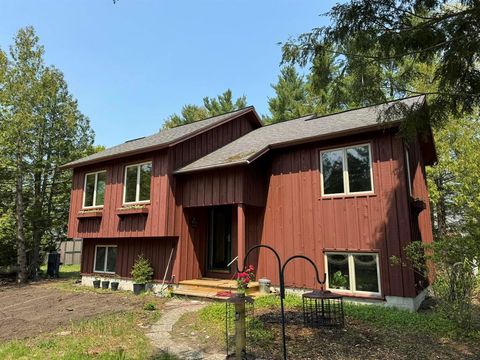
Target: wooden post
{"points": [[241, 238], [240, 331]]}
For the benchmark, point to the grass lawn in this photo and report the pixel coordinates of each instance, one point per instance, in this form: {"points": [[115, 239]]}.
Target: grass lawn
{"points": [[371, 332], [106, 325]]}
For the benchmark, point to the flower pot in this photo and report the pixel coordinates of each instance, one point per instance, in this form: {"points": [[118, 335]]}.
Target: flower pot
{"points": [[114, 285], [138, 288], [96, 284], [105, 284]]}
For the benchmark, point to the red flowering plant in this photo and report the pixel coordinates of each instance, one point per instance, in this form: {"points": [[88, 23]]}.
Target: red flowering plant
{"points": [[243, 278]]}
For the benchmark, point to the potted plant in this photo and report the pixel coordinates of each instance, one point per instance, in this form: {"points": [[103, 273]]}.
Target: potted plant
{"points": [[114, 284], [96, 283], [339, 281], [243, 279], [105, 284], [142, 273]]}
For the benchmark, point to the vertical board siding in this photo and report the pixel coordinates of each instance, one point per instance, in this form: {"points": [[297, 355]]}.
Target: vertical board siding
{"points": [[298, 220], [111, 225], [157, 250], [160, 221]]}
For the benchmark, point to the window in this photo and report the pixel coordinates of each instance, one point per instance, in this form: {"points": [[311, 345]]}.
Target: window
{"points": [[353, 272], [346, 170], [94, 190], [137, 183], [105, 259]]}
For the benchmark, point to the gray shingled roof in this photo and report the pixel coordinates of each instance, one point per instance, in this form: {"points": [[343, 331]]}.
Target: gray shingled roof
{"points": [[159, 140], [257, 142]]}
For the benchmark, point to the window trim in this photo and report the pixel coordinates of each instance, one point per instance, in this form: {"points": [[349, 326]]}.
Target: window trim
{"points": [[351, 267], [346, 184], [105, 261], [94, 206], [137, 188]]}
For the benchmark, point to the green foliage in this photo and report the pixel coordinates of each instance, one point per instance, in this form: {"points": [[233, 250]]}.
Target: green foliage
{"points": [[453, 182], [339, 280], [291, 100], [453, 259], [222, 104], [142, 271], [41, 128], [375, 47], [150, 306], [109, 337]]}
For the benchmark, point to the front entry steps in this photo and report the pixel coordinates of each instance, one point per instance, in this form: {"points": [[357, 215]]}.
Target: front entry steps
{"points": [[212, 288]]}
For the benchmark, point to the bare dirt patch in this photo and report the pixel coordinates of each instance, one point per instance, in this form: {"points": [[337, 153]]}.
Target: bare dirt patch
{"points": [[29, 310]]}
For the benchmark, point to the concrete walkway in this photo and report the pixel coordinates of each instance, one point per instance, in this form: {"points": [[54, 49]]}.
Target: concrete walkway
{"points": [[161, 337]]}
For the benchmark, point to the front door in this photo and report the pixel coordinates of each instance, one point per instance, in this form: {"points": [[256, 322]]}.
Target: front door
{"points": [[219, 239]]}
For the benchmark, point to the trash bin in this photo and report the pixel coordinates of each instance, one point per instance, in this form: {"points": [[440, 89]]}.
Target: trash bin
{"points": [[264, 286], [53, 265]]}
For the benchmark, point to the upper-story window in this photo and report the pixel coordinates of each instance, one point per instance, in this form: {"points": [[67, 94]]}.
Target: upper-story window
{"points": [[137, 183], [346, 170], [94, 189]]}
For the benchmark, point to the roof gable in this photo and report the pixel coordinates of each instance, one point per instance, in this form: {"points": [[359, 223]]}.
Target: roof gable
{"points": [[249, 147], [164, 138]]}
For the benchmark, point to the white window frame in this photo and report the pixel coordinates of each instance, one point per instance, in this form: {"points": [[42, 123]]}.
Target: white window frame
{"points": [[351, 270], [137, 189], [94, 190], [105, 261], [409, 175], [346, 184]]}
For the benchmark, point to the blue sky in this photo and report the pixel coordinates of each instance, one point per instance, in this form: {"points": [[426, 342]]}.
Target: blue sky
{"points": [[132, 64]]}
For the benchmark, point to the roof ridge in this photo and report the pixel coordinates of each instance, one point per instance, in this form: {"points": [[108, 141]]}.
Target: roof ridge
{"points": [[210, 117], [368, 106]]}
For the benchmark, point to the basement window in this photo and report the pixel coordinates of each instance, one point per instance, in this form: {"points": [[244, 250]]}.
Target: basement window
{"points": [[347, 170], [105, 259], [94, 189], [137, 183], [355, 273]]}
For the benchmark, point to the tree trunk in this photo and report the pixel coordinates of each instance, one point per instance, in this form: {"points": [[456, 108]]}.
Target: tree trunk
{"points": [[21, 250], [36, 226]]}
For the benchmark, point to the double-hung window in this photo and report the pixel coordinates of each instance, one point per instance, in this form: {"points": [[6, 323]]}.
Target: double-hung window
{"points": [[105, 259], [94, 189], [353, 272], [347, 170], [137, 183]]}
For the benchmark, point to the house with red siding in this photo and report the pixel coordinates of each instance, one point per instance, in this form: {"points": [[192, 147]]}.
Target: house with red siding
{"points": [[344, 189]]}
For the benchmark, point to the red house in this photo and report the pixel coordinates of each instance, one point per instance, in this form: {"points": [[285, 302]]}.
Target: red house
{"points": [[343, 189]]}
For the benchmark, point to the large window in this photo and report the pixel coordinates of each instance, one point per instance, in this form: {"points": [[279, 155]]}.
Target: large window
{"points": [[353, 272], [94, 190], [105, 259], [347, 170], [137, 183]]}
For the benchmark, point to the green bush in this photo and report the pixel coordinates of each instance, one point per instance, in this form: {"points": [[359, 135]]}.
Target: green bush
{"points": [[142, 271], [453, 259]]}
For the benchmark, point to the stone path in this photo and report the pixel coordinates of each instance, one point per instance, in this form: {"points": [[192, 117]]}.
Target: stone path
{"points": [[160, 333]]}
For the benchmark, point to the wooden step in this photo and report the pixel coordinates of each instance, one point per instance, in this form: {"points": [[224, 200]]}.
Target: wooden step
{"points": [[221, 284]]}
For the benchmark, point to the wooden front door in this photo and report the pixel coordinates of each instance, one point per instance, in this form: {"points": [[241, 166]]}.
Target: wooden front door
{"points": [[219, 239]]}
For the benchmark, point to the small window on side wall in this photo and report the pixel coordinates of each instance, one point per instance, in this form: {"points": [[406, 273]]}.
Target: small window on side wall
{"points": [[353, 272], [94, 190], [346, 170], [137, 183], [105, 259]]}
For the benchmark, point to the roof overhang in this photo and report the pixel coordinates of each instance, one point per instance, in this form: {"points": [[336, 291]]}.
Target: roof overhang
{"points": [[304, 140], [248, 111]]}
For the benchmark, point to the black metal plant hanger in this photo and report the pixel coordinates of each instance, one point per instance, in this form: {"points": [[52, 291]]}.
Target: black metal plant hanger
{"points": [[281, 271]]}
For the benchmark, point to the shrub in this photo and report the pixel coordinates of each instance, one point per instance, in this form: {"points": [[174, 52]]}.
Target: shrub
{"points": [[142, 271], [453, 259]]}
